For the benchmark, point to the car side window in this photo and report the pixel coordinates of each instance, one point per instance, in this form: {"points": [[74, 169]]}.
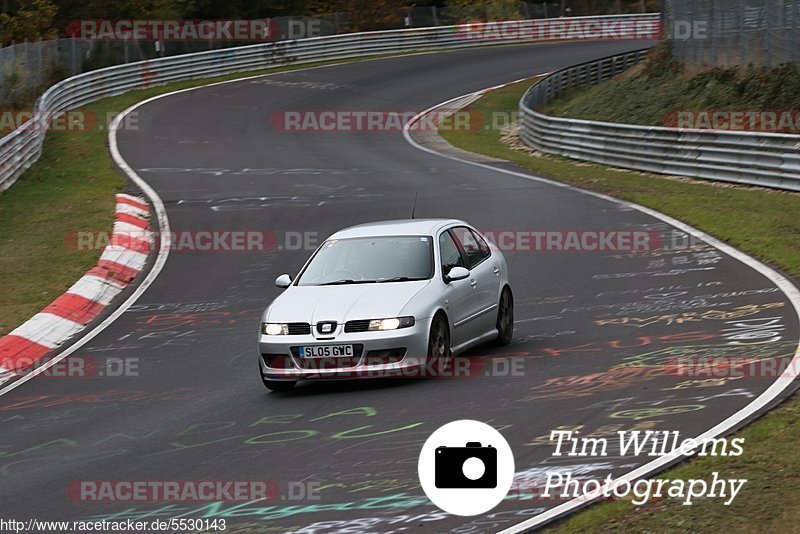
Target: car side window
{"points": [[475, 248], [483, 246], [449, 253]]}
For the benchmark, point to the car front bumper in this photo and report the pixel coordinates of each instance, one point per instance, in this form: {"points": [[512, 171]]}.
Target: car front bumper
{"points": [[285, 363]]}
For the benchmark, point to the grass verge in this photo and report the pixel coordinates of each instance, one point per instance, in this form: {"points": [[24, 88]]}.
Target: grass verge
{"points": [[70, 189], [761, 222], [659, 87]]}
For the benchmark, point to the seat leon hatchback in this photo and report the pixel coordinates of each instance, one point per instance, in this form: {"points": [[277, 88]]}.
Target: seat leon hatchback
{"points": [[390, 298]]}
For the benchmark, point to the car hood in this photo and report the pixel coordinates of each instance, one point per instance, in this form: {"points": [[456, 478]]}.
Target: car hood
{"points": [[311, 304]]}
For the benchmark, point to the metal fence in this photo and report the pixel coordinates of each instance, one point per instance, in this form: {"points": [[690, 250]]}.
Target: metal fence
{"points": [[770, 160], [27, 67], [734, 32], [19, 149], [436, 16]]}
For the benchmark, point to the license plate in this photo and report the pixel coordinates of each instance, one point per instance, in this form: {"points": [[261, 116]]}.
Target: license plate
{"points": [[326, 351]]}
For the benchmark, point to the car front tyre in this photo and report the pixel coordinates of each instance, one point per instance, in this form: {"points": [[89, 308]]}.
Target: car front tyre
{"points": [[439, 352], [505, 318]]}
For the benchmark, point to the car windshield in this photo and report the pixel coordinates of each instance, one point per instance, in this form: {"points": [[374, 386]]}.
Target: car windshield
{"points": [[365, 260]]}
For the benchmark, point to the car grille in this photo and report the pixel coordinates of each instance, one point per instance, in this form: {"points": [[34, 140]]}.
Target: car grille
{"points": [[384, 356], [278, 361], [299, 329], [356, 326]]}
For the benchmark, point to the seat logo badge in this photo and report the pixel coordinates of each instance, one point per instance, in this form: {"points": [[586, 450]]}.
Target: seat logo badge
{"points": [[325, 328]]}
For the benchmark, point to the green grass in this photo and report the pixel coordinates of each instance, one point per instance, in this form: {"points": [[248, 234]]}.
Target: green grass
{"points": [[763, 223], [660, 86], [71, 188], [767, 503]]}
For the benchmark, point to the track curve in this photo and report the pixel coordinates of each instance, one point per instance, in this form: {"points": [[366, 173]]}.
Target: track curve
{"points": [[197, 409]]}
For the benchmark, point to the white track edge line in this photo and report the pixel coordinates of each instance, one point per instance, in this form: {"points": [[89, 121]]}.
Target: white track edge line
{"points": [[161, 258], [767, 396]]}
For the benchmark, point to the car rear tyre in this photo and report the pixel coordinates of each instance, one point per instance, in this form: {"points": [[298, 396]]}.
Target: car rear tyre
{"points": [[505, 318], [439, 352]]}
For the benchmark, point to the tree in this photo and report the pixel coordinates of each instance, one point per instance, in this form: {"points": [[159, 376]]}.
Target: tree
{"points": [[72, 10], [460, 10], [364, 15], [33, 20]]}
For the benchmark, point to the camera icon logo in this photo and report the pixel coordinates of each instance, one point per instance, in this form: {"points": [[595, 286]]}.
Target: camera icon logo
{"points": [[472, 466], [466, 467]]}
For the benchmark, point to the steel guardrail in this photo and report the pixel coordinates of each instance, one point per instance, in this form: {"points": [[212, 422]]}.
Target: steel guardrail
{"points": [[22, 147], [752, 158]]}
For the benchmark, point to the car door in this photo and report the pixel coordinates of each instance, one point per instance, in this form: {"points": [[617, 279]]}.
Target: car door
{"points": [[461, 295], [485, 271]]}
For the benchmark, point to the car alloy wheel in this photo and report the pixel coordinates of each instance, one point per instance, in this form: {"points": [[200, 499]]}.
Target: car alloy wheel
{"points": [[439, 345]]}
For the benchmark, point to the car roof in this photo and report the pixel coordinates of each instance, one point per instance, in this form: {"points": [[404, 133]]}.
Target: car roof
{"points": [[396, 227]]}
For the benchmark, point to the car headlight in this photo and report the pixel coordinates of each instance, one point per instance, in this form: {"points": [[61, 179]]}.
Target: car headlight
{"points": [[391, 324], [275, 329]]}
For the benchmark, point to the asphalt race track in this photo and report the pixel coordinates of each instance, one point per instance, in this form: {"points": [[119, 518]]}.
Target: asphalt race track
{"points": [[595, 332]]}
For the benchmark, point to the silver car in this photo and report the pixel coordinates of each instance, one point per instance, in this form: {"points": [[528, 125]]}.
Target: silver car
{"points": [[393, 298]]}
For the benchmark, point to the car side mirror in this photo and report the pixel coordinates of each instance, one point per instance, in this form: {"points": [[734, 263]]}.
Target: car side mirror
{"points": [[457, 273], [283, 281]]}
